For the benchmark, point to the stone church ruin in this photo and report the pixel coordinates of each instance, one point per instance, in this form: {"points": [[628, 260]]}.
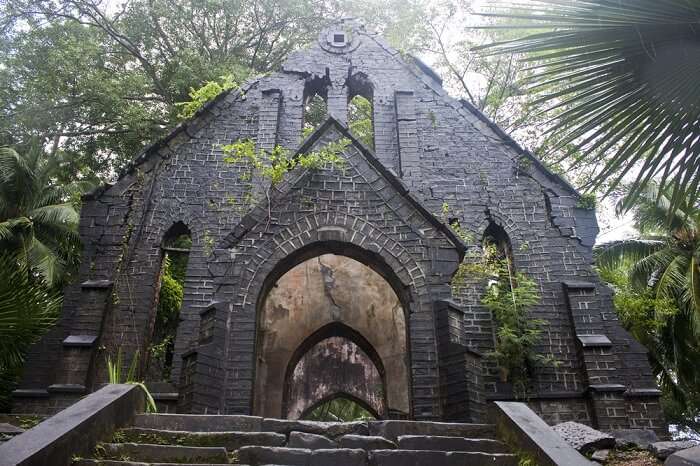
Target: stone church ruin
{"points": [[337, 281]]}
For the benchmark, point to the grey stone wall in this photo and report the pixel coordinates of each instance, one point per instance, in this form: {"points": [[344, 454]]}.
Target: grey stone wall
{"points": [[441, 149]]}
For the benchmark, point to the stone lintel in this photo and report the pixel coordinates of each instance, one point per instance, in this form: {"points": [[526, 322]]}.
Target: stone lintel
{"points": [[79, 341], [67, 388], [594, 341], [539, 396], [211, 306], [607, 388], [448, 303], [642, 392], [576, 285], [96, 284], [30, 393]]}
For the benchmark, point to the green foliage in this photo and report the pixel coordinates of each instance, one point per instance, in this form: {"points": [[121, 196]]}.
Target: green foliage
{"points": [[360, 120], [315, 113], [339, 410], [509, 295], [622, 76], [274, 165], [170, 298], [115, 376], [587, 201], [28, 309], [655, 276], [38, 221], [508, 298], [102, 80], [199, 97]]}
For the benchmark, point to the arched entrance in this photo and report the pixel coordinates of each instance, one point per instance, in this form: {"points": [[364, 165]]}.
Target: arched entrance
{"points": [[331, 326]]}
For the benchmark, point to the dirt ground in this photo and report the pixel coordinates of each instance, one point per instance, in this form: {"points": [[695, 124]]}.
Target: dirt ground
{"points": [[632, 458]]}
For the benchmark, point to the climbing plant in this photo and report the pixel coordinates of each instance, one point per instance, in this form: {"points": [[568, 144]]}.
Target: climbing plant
{"points": [[273, 165], [509, 295], [200, 96]]}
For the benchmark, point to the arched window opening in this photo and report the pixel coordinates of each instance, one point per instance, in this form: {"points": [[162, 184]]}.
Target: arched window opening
{"points": [[499, 255], [361, 109], [342, 408], [360, 120], [175, 249], [315, 105], [330, 324], [338, 364]]}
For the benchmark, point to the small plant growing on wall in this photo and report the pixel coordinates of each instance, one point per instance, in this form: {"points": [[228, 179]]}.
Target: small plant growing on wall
{"points": [[272, 166], [509, 296], [115, 375]]}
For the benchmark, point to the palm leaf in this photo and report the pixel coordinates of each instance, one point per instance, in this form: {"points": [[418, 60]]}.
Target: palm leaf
{"points": [[617, 253], [625, 74], [27, 310]]}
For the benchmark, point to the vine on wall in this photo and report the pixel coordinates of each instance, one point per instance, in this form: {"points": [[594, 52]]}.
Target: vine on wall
{"points": [[509, 295]]}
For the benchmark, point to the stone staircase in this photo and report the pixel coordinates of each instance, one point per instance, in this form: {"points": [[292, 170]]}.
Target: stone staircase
{"points": [[165, 439]]}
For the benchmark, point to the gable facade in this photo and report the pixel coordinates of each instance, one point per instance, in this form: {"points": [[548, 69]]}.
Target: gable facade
{"points": [[435, 160]]}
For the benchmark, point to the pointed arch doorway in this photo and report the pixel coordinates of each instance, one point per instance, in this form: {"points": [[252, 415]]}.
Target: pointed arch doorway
{"points": [[331, 326]]}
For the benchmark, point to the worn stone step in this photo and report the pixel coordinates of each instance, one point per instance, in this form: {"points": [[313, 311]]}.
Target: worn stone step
{"points": [[94, 462], [257, 456], [328, 429], [429, 457], [143, 452], [365, 442], [393, 429], [446, 443], [229, 440], [199, 422]]}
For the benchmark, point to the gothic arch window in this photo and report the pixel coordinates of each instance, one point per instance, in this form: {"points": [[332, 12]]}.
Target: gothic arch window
{"points": [[315, 105], [499, 252], [361, 109], [175, 251]]}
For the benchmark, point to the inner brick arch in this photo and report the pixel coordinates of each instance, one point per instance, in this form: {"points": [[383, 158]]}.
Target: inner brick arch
{"points": [[313, 378], [330, 289], [250, 256]]}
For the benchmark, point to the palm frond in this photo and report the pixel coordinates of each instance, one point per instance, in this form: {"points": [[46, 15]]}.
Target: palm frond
{"points": [[57, 215], [627, 251], [625, 74], [27, 310]]}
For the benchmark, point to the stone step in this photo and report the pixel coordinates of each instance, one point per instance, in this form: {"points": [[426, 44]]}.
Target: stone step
{"points": [[366, 442], [441, 458], [199, 422], [94, 462], [445, 443], [392, 430], [229, 440], [329, 429], [257, 456], [148, 453]]}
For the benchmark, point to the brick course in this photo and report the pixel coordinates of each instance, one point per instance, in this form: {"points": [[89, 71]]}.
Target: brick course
{"points": [[430, 150]]}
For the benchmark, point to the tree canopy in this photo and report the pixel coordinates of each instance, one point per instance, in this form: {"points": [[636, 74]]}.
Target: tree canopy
{"points": [[620, 82]]}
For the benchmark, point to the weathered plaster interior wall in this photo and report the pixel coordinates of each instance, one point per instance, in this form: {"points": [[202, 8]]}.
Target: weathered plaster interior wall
{"points": [[334, 366], [322, 290]]}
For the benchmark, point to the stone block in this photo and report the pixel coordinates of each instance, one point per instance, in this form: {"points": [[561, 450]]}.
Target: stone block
{"points": [[663, 450], [641, 438], [392, 430], [443, 443], [274, 455], [687, 457], [310, 441], [338, 457], [366, 442], [199, 423], [583, 438]]}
